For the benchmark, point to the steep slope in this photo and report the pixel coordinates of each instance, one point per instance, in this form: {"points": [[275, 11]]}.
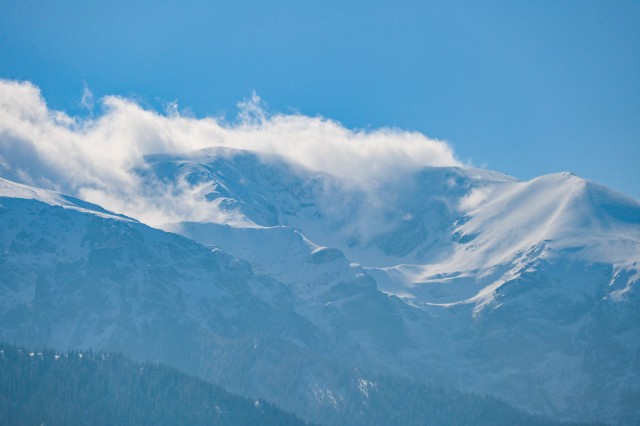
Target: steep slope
{"points": [[529, 288], [521, 223], [79, 258], [407, 217], [548, 270], [75, 275], [337, 297]]}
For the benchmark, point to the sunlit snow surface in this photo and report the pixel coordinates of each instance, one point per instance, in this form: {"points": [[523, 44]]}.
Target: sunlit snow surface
{"points": [[9, 189], [420, 233]]}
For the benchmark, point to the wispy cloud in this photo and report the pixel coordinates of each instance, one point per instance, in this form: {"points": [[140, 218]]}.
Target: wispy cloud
{"points": [[87, 98], [95, 157]]}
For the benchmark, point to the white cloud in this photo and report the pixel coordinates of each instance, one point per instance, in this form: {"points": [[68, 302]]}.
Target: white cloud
{"points": [[87, 98], [473, 199], [95, 157]]}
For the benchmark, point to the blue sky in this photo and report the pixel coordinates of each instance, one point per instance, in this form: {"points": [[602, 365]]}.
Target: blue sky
{"points": [[525, 88]]}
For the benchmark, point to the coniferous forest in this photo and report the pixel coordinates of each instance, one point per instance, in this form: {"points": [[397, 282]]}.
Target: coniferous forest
{"points": [[101, 388], [96, 388]]}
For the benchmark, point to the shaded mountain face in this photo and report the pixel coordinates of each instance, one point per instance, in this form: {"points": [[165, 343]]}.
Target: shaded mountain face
{"points": [[73, 275], [454, 276]]}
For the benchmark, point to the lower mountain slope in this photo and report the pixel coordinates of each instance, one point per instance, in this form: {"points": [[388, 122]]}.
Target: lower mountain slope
{"points": [[100, 388]]}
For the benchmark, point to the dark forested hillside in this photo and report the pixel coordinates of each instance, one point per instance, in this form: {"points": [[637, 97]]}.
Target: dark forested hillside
{"points": [[100, 388], [87, 388]]}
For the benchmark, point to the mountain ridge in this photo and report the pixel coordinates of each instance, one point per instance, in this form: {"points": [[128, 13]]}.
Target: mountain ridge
{"points": [[449, 275], [479, 239]]}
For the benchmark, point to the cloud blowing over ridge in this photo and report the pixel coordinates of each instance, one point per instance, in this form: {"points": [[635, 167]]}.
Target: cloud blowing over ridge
{"points": [[96, 158]]}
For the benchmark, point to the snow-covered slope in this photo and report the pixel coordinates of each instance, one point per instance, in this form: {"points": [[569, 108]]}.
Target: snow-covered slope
{"points": [[9, 189], [521, 223], [73, 275], [422, 228], [455, 276], [530, 289], [75, 258]]}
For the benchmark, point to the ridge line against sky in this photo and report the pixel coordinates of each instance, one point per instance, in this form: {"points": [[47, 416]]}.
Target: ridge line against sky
{"points": [[101, 158], [523, 88]]}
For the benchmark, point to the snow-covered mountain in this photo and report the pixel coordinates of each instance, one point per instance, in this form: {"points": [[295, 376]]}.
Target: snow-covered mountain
{"points": [[73, 275], [529, 288], [455, 276]]}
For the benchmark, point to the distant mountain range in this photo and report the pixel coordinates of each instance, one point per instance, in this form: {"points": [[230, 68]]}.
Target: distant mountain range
{"points": [[311, 292]]}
